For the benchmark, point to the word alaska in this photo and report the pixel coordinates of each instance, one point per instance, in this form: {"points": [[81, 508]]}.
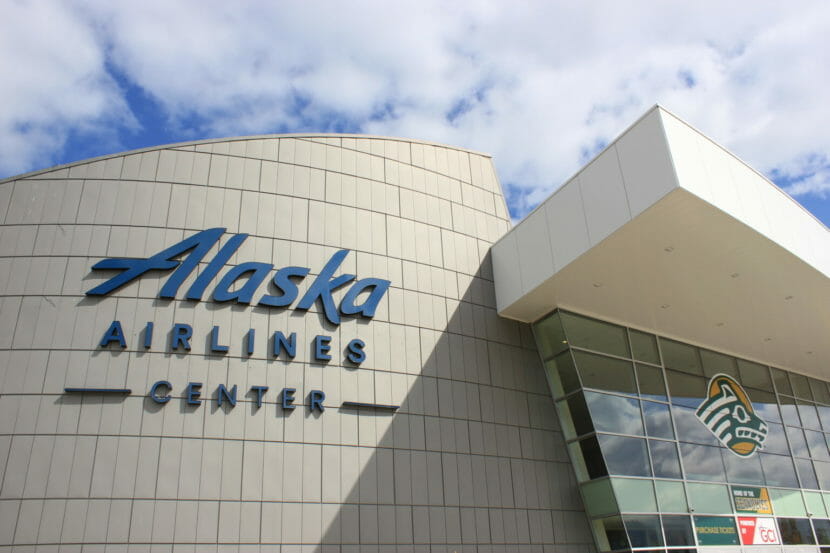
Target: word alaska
{"points": [[361, 299]]}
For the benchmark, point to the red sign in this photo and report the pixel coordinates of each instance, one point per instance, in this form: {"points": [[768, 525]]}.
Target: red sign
{"points": [[758, 531]]}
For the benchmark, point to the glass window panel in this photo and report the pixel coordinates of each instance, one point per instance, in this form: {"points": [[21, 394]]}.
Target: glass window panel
{"points": [[671, 496], [776, 441], [778, 470], [815, 504], [809, 415], [708, 498], [550, 337], [658, 420], [634, 496], [765, 405], [788, 503], [754, 375], [801, 387], [822, 474], [817, 445], [605, 373], [689, 428], [797, 442], [664, 458], [806, 474], [822, 528], [625, 456], [686, 389], [615, 413], [742, 470], [682, 357], [820, 392], [702, 462], [644, 347], [595, 335], [795, 531], [652, 384], [610, 534], [824, 417], [789, 411], [561, 373], [782, 382], [592, 455], [644, 531], [678, 530], [599, 498], [715, 363], [577, 418]]}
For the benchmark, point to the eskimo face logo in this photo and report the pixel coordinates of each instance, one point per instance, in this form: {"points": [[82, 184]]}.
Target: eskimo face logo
{"points": [[728, 414]]}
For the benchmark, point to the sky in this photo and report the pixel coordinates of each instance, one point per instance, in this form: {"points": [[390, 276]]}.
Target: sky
{"points": [[542, 86]]}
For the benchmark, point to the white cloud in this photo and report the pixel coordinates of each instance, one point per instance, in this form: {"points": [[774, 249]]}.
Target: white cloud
{"points": [[539, 85]]}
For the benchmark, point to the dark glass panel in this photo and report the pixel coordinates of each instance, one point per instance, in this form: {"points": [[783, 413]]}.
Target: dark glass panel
{"points": [[778, 470], [702, 462], [644, 347], [689, 428], [822, 528], [754, 375], [795, 531], [806, 474], [686, 389], [614, 532], [605, 373], [824, 416], [820, 392], [615, 413], [798, 444], [776, 441], [664, 458], [644, 531], [593, 458], [652, 384], [715, 363], [580, 416], [817, 445], [595, 335], [789, 411], [809, 415], [782, 382], [678, 530], [550, 337], [822, 474], [658, 420], [742, 470], [682, 357], [801, 387], [562, 373], [764, 404], [625, 456]]}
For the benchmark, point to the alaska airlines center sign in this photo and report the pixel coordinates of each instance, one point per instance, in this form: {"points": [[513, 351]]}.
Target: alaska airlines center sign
{"points": [[241, 284]]}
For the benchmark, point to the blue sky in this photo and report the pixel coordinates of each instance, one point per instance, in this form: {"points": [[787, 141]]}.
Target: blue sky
{"points": [[540, 85]]}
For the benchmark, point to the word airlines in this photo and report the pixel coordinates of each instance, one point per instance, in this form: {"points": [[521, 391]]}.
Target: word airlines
{"points": [[361, 299]]}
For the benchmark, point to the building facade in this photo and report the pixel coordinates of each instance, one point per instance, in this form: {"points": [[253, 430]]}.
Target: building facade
{"points": [[310, 343]]}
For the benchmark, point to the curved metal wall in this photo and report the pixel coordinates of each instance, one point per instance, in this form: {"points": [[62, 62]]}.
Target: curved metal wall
{"points": [[473, 459]]}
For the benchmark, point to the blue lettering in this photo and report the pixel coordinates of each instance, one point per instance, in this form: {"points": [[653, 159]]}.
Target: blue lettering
{"points": [[288, 398], [378, 288], [193, 392], [244, 295], [249, 341], [322, 347], [155, 388], [282, 280], [289, 345], [182, 333], [356, 354], [209, 273], [315, 400], [259, 391], [222, 393], [324, 285], [114, 334], [148, 335], [214, 341]]}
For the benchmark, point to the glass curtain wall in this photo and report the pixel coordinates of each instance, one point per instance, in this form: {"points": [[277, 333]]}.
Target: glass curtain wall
{"points": [[655, 476]]}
